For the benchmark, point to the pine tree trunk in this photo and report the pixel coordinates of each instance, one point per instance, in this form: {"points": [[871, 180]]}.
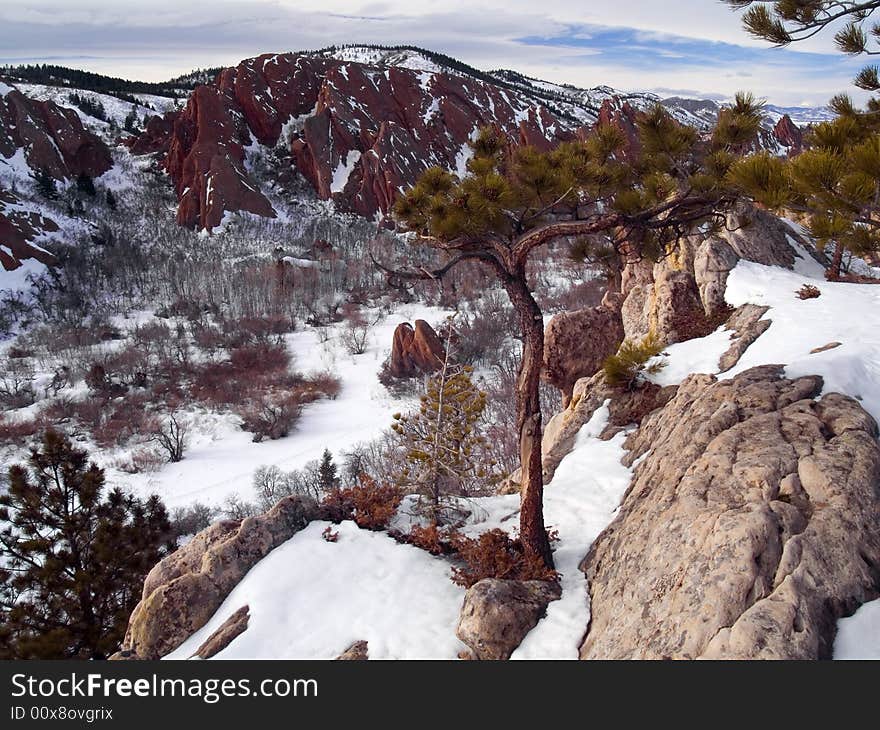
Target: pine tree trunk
{"points": [[528, 417], [833, 273]]}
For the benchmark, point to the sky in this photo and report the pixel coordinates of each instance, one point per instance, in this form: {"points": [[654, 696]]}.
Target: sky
{"points": [[686, 47]]}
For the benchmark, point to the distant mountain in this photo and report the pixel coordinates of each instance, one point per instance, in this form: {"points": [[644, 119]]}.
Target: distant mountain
{"points": [[356, 124], [359, 124]]}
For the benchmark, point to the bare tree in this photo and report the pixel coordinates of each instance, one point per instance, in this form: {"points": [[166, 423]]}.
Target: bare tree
{"points": [[171, 436]]}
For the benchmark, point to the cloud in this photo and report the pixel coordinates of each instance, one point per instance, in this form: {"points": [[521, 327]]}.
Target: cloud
{"points": [[631, 44]]}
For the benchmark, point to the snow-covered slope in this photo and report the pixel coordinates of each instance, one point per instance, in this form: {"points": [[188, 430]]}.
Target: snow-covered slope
{"points": [[389, 582], [116, 109]]}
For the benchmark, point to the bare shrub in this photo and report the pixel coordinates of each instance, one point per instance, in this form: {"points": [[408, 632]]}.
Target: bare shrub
{"points": [[170, 434], [236, 508], [808, 291], [17, 383], [271, 415], [192, 519], [495, 554], [142, 461]]}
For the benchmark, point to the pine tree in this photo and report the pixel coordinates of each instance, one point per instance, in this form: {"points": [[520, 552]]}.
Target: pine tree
{"points": [[444, 452], [110, 198], [835, 183], [85, 185], [46, 184], [639, 199], [73, 561], [130, 123], [328, 477]]}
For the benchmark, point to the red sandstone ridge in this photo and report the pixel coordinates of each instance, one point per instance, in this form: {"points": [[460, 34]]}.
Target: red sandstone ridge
{"points": [[358, 133], [789, 135], [52, 137]]}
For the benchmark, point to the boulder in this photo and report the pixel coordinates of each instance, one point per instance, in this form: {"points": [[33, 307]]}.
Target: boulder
{"points": [[577, 343], [713, 262], [666, 299], [184, 590], [746, 325], [357, 652], [232, 627], [415, 350], [497, 614], [752, 524]]}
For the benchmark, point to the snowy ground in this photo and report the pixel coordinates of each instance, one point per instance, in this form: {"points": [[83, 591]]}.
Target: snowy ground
{"points": [[400, 599], [311, 599], [222, 458]]}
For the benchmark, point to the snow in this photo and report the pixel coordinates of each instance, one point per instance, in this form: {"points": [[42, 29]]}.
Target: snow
{"points": [[5, 89], [858, 637], [580, 502], [19, 279], [311, 599], [845, 313], [400, 599], [222, 458], [343, 171]]}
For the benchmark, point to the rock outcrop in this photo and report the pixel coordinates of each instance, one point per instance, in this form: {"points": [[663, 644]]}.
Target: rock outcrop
{"points": [[357, 652], [577, 343], [746, 325], [752, 524], [356, 132], [20, 231], [789, 135], [184, 590], [625, 408], [497, 614], [231, 628], [683, 295], [415, 350], [51, 138]]}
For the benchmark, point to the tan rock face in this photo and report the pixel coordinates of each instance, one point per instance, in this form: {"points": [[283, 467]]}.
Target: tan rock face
{"points": [[751, 525], [184, 590], [669, 298], [625, 408], [497, 614], [231, 628], [577, 343], [415, 350], [746, 326]]}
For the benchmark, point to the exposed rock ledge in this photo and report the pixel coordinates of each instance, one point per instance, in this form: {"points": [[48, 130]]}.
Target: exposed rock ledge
{"points": [[752, 525], [184, 590]]}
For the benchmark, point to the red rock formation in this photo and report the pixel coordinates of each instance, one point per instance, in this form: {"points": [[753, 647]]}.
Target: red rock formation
{"points": [[415, 351], [357, 133], [53, 138], [155, 138], [789, 135], [18, 231], [623, 117]]}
